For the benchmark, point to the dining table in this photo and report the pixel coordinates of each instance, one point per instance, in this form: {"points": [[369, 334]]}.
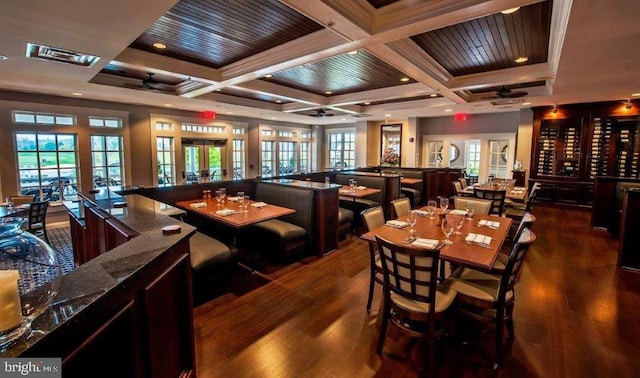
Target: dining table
{"points": [[516, 193], [460, 252], [409, 180], [13, 211], [358, 192]]}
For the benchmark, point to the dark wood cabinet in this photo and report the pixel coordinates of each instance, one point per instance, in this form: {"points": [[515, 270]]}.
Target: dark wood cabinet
{"points": [[629, 246], [577, 143]]}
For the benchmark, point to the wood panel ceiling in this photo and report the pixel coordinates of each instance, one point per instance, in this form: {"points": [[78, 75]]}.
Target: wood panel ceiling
{"points": [[295, 55]]}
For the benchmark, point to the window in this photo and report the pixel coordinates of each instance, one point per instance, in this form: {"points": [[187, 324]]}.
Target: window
{"points": [[473, 157], [107, 161], [165, 126], [267, 156], [202, 129], [342, 153], [43, 119], [286, 134], [305, 157], [105, 122], [305, 135], [165, 152], [435, 153], [498, 155], [238, 159], [47, 165], [238, 131], [266, 133], [287, 158]]}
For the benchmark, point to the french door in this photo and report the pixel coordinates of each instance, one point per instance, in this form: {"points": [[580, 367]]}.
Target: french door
{"points": [[203, 160]]}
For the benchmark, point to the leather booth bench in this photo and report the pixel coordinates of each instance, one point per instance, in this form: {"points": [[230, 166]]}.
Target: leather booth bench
{"points": [[389, 190], [212, 262]]}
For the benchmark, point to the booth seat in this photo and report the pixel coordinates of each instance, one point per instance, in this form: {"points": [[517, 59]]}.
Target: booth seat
{"points": [[212, 263], [360, 204]]}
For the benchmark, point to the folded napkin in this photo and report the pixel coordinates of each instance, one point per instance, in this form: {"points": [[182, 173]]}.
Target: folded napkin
{"points": [[458, 212], [421, 213], [361, 187], [225, 212], [478, 239], [397, 224], [517, 191], [233, 199], [23, 206], [490, 224], [258, 204], [425, 243], [469, 188], [198, 205], [521, 188]]}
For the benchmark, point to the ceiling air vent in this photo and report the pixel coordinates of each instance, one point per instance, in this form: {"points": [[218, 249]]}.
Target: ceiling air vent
{"points": [[507, 101], [361, 115], [60, 55]]}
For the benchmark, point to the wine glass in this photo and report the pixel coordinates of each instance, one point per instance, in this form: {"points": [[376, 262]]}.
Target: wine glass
{"points": [[223, 193], [459, 221], [471, 210], [447, 225], [218, 196], [412, 218], [431, 207], [444, 203], [240, 197], [245, 204]]}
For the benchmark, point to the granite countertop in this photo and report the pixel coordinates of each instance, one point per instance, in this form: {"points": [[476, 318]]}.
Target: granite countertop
{"points": [[94, 279], [302, 184]]}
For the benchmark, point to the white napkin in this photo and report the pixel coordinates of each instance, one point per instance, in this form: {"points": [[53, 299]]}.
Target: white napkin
{"points": [[233, 199], [361, 187], [225, 212], [478, 239], [421, 213], [425, 243], [258, 204], [520, 188], [469, 188], [397, 224], [490, 224], [517, 191], [458, 212], [198, 205]]}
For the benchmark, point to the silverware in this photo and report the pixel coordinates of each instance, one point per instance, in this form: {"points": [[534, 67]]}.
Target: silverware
{"points": [[479, 245]]}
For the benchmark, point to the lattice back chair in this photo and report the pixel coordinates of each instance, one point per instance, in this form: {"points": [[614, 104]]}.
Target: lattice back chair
{"points": [[37, 222], [463, 182], [22, 200], [402, 206], [497, 198], [517, 212], [527, 221], [490, 298], [372, 218], [481, 206], [457, 187], [412, 298]]}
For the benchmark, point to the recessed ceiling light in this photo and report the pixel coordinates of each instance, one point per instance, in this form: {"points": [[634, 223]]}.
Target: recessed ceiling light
{"points": [[343, 119], [268, 76], [76, 94], [387, 115], [219, 90], [526, 103], [521, 59], [159, 45], [448, 110], [510, 10], [273, 118], [167, 105], [354, 52], [433, 95], [279, 101], [635, 94], [404, 79], [367, 103], [328, 92], [3, 57]]}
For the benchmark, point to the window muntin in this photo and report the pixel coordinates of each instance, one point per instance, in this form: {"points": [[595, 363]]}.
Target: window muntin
{"points": [[107, 161], [498, 155], [43, 118], [164, 126], [473, 158], [239, 131], [195, 128], [267, 157], [286, 134], [287, 158], [341, 150], [47, 165], [238, 159], [165, 151], [107, 122], [305, 157]]}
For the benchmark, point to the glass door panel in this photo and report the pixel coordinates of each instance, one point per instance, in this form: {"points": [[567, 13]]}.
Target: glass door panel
{"points": [[203, 161]]}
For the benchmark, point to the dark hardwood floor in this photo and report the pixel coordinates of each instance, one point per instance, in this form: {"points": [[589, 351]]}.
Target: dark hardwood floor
{"points": [[576, 315]]}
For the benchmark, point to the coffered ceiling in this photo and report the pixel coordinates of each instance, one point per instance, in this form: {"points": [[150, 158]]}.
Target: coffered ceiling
{"points": [[327, 61]]}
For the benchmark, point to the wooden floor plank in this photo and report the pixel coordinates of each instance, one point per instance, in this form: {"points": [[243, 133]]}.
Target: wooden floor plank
{"points": [[576, 314]]}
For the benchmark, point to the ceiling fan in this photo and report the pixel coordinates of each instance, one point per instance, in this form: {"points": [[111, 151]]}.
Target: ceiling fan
{"points": [[504, 92], [321, 113], [151, 84]]}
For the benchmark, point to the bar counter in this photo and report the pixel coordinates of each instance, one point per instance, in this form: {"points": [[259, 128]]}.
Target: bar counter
{"points": [[138, 294]]}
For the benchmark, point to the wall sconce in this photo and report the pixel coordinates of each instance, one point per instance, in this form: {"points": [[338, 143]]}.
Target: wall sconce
{"points": [[555, 109], [628, 104]]}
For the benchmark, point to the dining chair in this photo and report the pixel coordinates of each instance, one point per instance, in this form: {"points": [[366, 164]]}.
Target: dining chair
{"points": [[497, 198], [412, 298], [463, 182], [517, 211], [22, 200], [491, 298], [481, 206], [373, 218], [527, 221], [37, 222], [457, 187], [402, 206]]}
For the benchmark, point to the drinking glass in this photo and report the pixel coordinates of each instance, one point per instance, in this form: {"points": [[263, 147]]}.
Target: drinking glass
{"points": [[459, 220], [240, 197], [444, 203], [219, 196], [412, 218], [431, 207], [245, 204], [447, 225], [223, 193], [471, 210]]}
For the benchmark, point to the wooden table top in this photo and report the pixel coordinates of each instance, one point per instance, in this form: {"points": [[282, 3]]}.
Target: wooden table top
{"points": [[518, 194], [5, 211], [459, 252], [237, 220], [359, 193], [409, 180]]}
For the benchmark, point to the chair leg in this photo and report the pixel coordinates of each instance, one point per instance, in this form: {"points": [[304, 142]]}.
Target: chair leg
{"points": [[510, 325], [383, 328], [499, 337], [432, 357], [372, 282]]}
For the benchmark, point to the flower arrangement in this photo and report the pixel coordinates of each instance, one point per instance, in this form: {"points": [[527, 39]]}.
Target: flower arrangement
{"points": [[390, 157]]}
